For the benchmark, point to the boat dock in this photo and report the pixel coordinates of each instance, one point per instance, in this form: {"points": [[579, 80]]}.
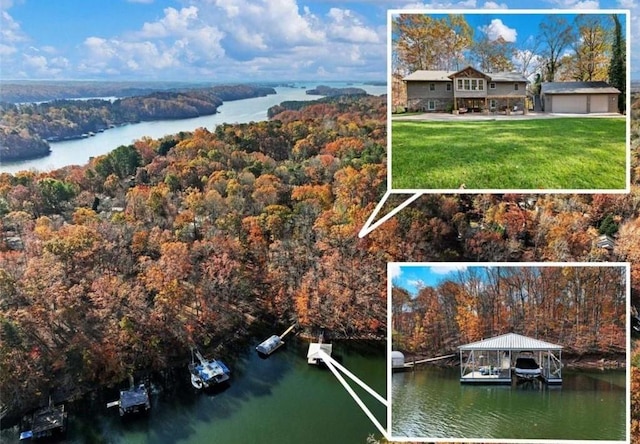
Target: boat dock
{"points": [[132, 401], [313, 355], [272, 343], [506, 358], [46, 423], [207, 373]]}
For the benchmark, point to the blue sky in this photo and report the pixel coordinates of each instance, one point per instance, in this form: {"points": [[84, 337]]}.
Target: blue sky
{"points": [[413, 277], [222, 40]]}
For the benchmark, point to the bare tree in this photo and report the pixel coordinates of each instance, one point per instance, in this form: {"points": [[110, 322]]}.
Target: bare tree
{"points": [[556, 34]]}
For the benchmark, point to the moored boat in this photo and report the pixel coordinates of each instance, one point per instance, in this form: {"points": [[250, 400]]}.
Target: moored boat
{"points": [[527, 368], [207, 373]]}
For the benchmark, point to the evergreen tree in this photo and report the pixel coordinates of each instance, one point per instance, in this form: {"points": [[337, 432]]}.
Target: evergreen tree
{"points": [[618, 68]]}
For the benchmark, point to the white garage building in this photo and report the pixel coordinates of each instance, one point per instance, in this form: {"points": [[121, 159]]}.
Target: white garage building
{"points": [[579, 97]]}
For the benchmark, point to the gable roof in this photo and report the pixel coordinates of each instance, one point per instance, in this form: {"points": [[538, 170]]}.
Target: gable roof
{"points": [[468, 68], [578, 88], [423, 75], [511, 341], [426, 75]]}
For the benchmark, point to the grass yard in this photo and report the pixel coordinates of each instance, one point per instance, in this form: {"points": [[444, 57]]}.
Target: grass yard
{"points": [[579, 153]]}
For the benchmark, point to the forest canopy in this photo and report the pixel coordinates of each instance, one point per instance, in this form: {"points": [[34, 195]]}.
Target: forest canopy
{"points": [[582, 308]]}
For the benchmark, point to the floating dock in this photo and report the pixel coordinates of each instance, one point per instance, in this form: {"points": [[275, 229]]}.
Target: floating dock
{"points": [[46, 423], [273, 342]]}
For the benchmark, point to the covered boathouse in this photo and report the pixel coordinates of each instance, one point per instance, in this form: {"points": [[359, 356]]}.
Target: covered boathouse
{"points": [[495, 360]]}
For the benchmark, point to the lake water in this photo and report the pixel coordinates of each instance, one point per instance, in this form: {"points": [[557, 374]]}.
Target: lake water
{"points": [[431, 403], [279, 400], [79, 151]]}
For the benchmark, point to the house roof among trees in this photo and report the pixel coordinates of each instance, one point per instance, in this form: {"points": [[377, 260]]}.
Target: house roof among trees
{"points": [[578, 88], [511, 341]]}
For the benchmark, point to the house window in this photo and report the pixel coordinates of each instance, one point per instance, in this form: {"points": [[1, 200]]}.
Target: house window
{"points": [[432, 86], [470, 84], [431, 105], [492, 104], [448, 86], [515, 86], [492, 85]]}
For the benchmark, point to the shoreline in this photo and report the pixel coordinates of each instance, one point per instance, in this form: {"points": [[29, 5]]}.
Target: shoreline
{"points": [[586, 361], [174, 368]]}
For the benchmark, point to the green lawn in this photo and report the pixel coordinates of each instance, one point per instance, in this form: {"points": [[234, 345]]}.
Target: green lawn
{"points": [[554, 153]]}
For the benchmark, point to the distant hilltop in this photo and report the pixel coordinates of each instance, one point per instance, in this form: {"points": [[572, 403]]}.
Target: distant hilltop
{"points": [[49, 90], [322, 90], [26, 129]]}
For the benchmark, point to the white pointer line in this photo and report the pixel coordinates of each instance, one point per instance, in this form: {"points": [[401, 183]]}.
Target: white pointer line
{"points": [[368, 228], [330, 362]]}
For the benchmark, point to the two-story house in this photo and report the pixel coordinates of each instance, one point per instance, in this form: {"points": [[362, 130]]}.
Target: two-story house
{"points": [[467, 90]]}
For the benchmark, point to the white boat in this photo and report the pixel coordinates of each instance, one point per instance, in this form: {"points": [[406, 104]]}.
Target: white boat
{"points": [[207, 373], [527, 368]]}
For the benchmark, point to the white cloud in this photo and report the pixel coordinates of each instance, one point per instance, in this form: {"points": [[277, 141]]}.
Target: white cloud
{"points": [[494, 5], [178, 40], [221, 39], [173, 22], [394, 270], [436, 4], [588, 4], [347, 27], [10, 31], [6, 50], [497, 29], [577, 4], [39, 66]]}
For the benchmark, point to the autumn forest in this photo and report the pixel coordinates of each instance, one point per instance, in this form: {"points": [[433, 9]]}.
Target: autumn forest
{"points": [[582, 308], [123, 264]]}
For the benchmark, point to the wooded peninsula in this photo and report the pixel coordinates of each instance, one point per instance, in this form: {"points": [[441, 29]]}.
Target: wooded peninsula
{"points": [[121, 265], [26, 129]]}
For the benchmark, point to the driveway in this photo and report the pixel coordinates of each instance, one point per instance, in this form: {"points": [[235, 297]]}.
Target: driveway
{"points": [[479, 116]]}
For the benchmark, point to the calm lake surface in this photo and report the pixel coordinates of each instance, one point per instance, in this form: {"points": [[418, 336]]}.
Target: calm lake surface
{"points": [[279, 400], [431, 403], [79, 151]]}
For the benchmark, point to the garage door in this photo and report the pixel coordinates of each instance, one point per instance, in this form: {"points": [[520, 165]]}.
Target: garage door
{"points": [[599, 103], [569, 104]]}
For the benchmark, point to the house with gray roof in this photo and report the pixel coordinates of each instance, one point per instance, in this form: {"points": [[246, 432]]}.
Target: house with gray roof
{"points": [[579, 97], [467, 90]]}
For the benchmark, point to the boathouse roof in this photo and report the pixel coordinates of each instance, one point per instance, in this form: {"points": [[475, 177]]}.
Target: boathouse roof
{"points": [[511, 341]]}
